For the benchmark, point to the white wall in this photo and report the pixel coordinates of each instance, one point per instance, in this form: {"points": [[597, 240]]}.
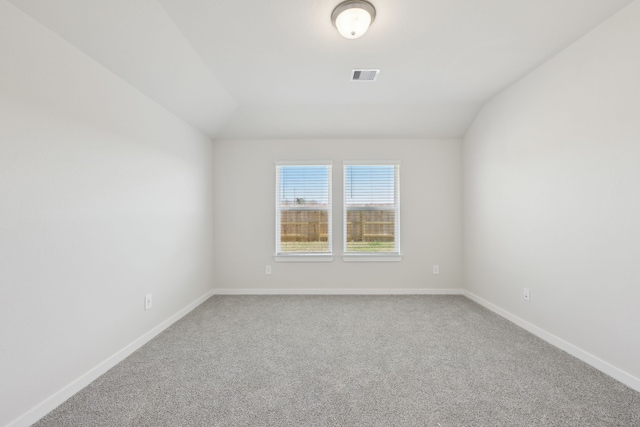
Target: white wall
{"points": [[104, 197], [430, 180], [552, 195]]}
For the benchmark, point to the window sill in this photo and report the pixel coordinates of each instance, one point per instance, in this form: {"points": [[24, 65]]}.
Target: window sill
{"points": [[371, 257], [303, 258]]}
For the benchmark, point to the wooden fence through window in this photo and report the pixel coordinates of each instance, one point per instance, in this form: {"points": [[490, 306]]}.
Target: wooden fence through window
{"points": [[313, 226]]}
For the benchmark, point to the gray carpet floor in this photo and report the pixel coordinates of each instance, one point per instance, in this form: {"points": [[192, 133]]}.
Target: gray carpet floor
{"points": [[348, 361]]}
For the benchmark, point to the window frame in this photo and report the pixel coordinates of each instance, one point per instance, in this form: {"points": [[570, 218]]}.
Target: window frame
{"points": [[392, 256], [280, 256]]}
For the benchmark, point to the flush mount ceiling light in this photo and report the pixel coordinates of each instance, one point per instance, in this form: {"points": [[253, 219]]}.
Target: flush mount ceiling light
{"points": [[353, 17]]}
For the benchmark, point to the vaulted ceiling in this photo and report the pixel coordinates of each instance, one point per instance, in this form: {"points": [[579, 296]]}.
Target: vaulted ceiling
{"points": [[279, 69]]}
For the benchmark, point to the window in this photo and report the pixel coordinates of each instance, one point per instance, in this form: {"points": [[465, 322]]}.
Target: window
{"points": [[372, 211], [303, 211]]}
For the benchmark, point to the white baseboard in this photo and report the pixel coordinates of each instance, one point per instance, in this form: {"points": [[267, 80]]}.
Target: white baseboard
{"points": [[618, 374], [52, 402], [337, 291]]}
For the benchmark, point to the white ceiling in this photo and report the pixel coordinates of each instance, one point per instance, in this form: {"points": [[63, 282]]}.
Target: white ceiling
{"points": [[279, 69]]}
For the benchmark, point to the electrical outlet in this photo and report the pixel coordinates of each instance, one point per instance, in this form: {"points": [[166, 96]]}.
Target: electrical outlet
{"points": [[268, 269], [148, 301], [525, 294], [436, 269]]}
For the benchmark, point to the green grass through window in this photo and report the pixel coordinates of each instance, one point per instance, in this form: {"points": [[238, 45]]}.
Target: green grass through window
{"points": [[323, 247]]}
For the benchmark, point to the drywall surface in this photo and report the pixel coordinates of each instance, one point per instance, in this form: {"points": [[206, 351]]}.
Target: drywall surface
{"points": [[104, 197], [430, 182], [551, 195]]}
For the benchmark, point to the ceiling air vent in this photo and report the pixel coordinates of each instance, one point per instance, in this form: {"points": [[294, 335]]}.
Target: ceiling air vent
{"points": [[364, 75]]}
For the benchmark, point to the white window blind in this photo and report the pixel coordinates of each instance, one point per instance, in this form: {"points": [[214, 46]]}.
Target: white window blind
{"points": [[371, 208], [303, 209]]}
